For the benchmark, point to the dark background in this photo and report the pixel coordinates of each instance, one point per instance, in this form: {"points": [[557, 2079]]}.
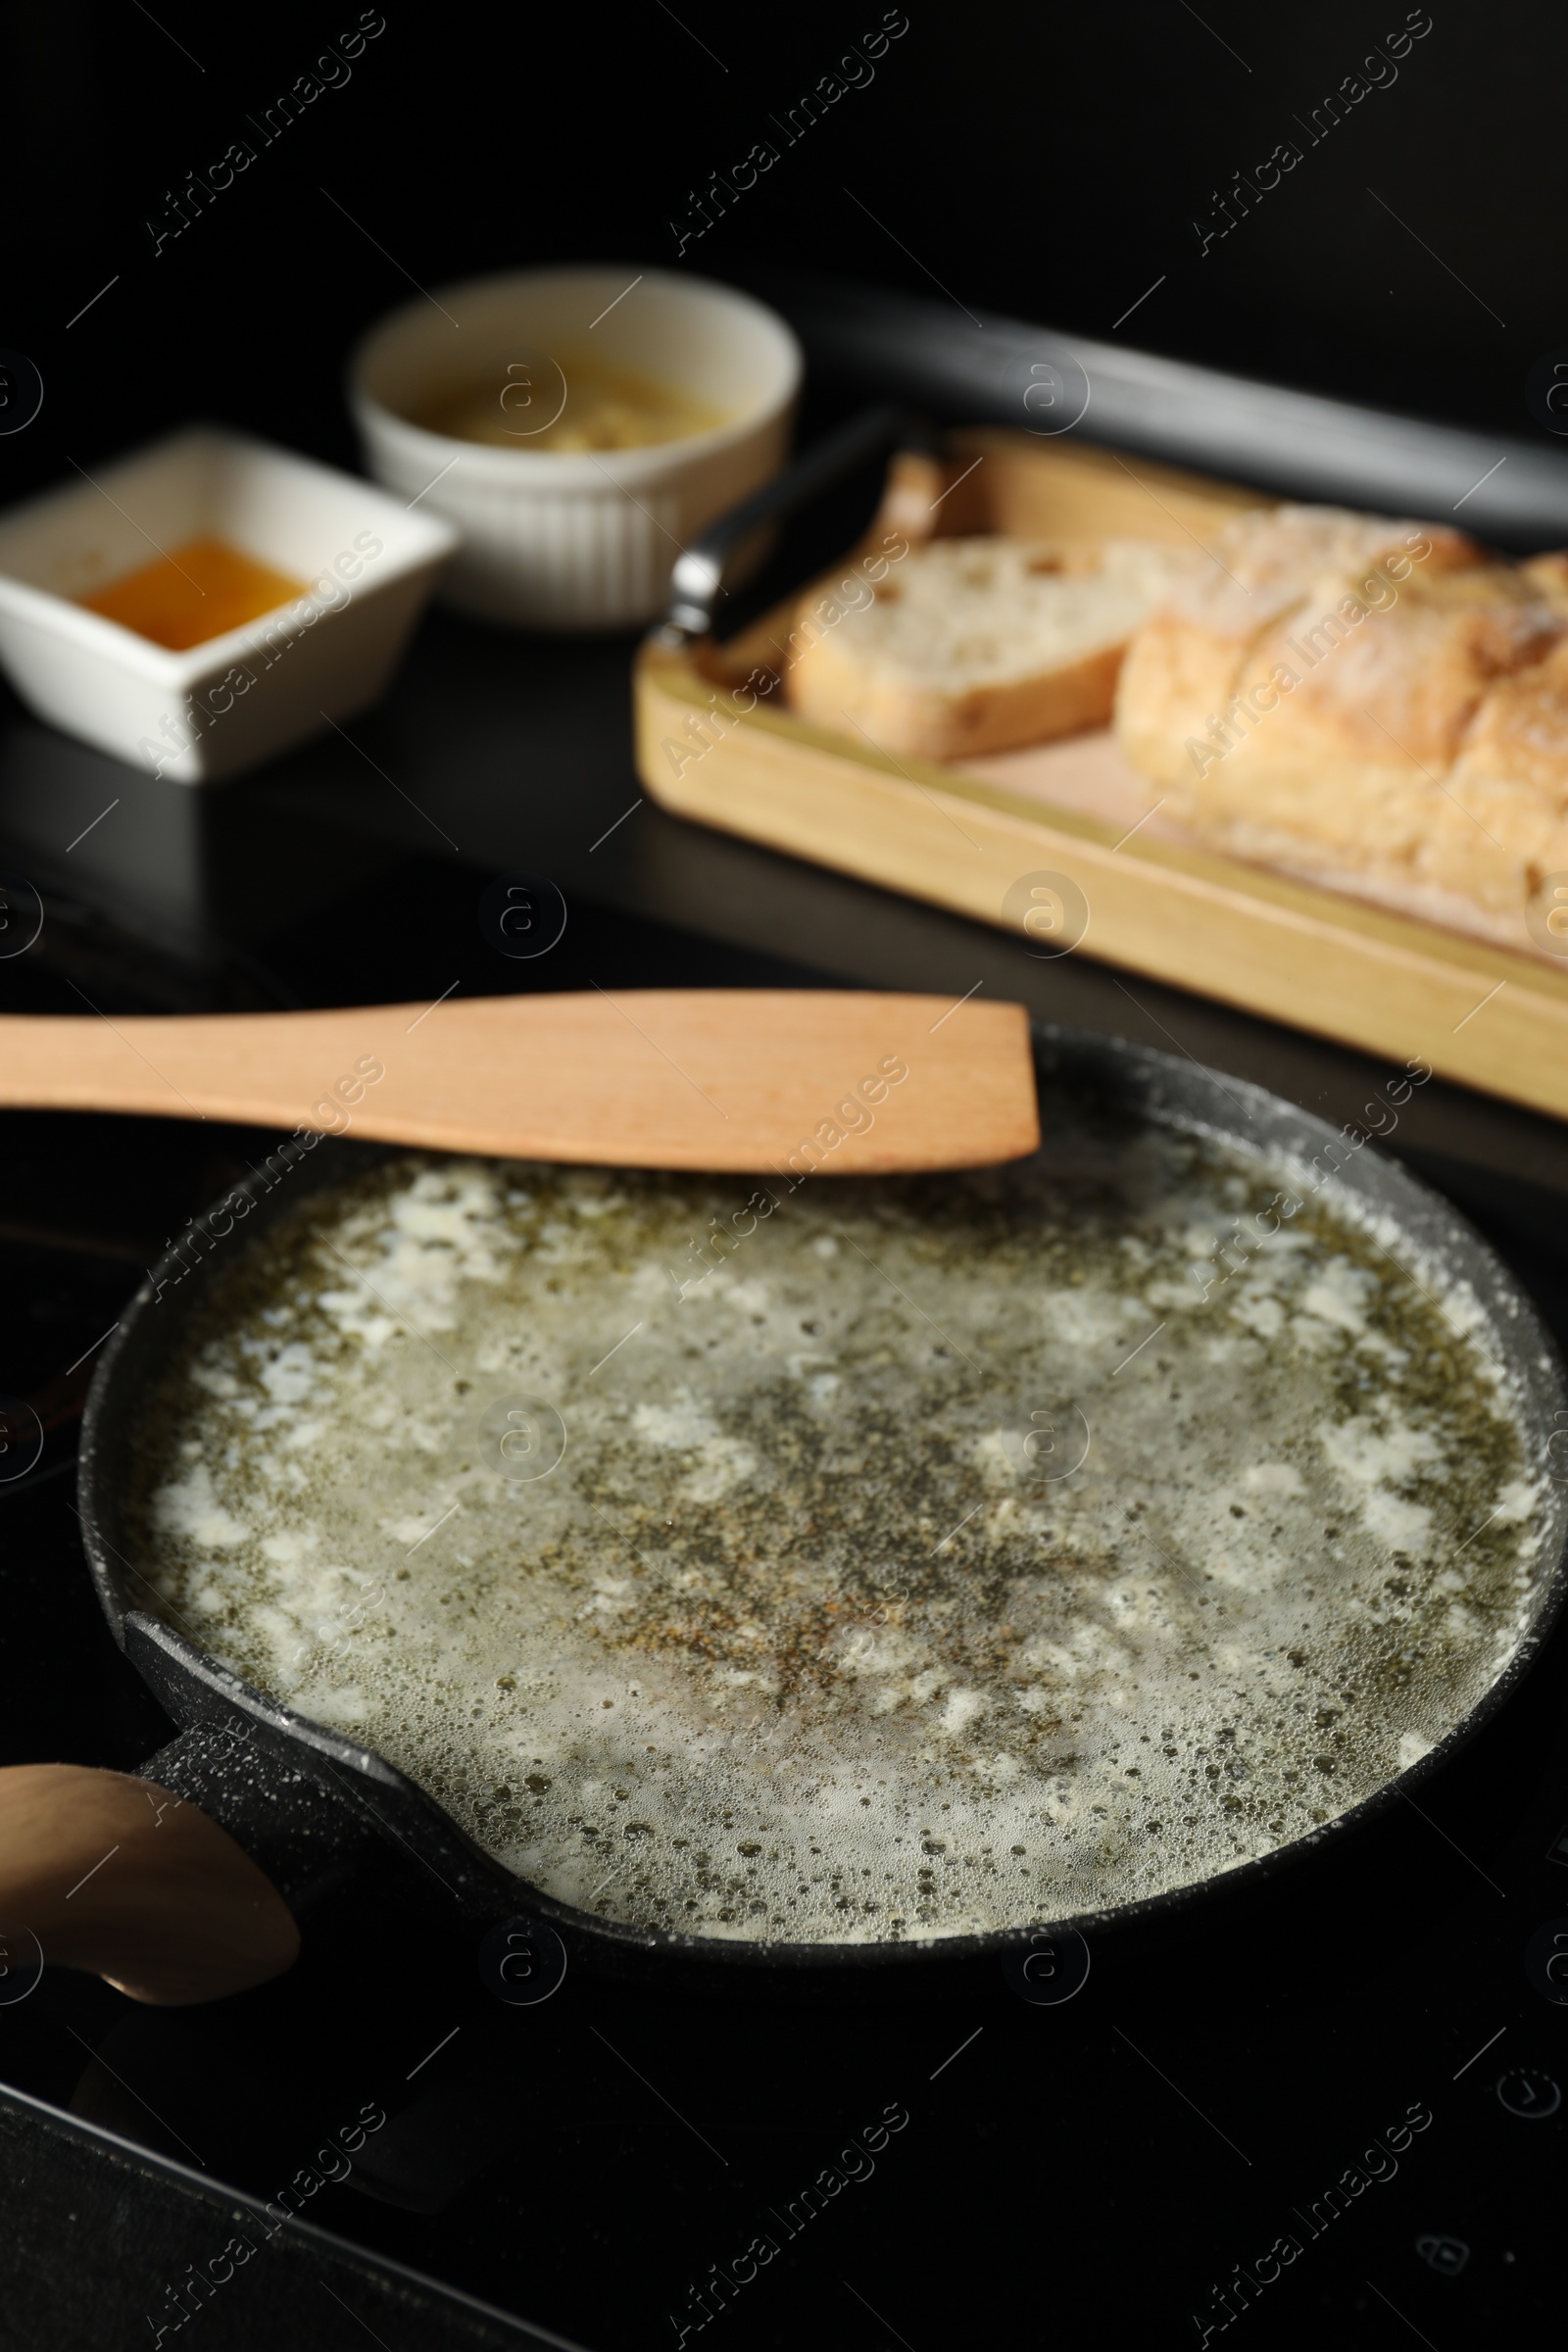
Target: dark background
{"points": [[1045, 162]]}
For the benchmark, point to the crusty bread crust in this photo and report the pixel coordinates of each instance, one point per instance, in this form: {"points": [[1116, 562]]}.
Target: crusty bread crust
{"points": [[1362, 699], [1510, 782]]}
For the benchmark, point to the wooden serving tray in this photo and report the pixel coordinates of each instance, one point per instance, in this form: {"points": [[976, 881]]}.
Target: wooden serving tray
{"points": [[1393, 982]]}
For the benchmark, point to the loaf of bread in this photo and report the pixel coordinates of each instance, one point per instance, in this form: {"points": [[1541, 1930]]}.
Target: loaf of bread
{"points": [[970, 646], [1377, 704]]}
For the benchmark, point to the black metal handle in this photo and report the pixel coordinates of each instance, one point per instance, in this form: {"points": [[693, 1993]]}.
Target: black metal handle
{"points": [[320, 1816], [699, 571]]}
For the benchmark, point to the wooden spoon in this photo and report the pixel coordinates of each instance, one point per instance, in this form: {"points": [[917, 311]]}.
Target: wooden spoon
{"points": [[818, 1080]]}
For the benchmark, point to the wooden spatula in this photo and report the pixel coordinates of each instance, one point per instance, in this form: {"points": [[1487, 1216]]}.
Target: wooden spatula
{"points": [[814, 1082], [104, 1872]]}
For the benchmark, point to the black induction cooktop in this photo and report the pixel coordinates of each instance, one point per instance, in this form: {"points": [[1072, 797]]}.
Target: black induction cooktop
{"points": [[1327, 2106]]}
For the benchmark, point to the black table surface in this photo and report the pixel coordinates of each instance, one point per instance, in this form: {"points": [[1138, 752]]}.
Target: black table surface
{"points": [[600, 2164]]}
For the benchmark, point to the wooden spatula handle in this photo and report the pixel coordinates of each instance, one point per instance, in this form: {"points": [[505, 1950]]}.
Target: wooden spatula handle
{"points": [[102, 1871], [658, 1078]]}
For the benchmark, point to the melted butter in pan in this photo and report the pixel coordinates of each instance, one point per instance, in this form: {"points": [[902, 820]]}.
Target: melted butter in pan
{"points": [[936, 1558]]}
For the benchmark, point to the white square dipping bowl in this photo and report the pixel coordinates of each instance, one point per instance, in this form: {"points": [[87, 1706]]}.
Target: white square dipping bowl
{"points": [[367, 564]]}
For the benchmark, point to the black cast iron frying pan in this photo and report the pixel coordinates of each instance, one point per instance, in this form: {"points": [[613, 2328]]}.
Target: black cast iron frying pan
{"points": [[316, 1811]]}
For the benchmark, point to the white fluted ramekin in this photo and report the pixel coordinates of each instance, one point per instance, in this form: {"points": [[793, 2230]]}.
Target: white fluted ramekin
{"points": [[562, 540]]}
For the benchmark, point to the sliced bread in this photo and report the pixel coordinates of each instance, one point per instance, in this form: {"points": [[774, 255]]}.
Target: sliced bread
{"points": [[1379, 705], [970, 646]]}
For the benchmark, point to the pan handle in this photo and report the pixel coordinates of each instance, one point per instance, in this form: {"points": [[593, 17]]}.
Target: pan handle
{"points": [[103, 1871]]}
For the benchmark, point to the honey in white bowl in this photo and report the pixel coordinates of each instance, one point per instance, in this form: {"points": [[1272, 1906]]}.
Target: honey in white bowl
{"points": [[201, 589], [604, 408]]}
